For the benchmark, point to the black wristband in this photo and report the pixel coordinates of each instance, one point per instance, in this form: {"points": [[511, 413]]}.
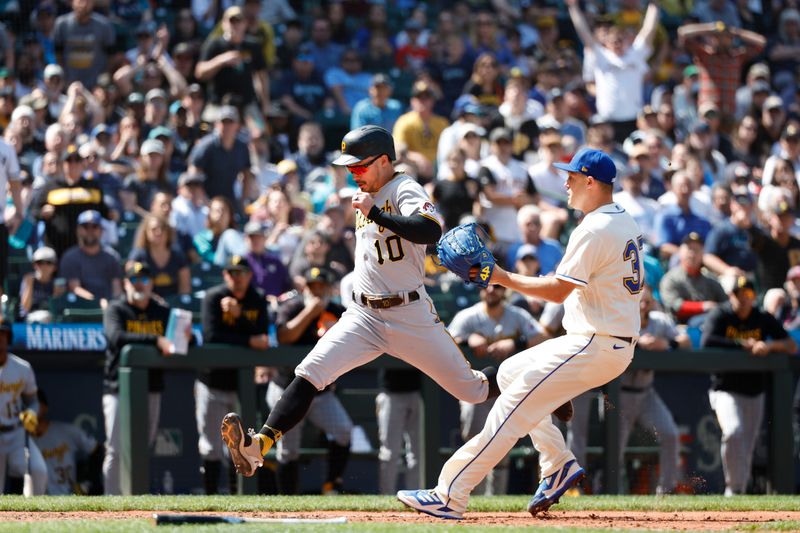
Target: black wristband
{"points": [[673, 344], [521, 343]]}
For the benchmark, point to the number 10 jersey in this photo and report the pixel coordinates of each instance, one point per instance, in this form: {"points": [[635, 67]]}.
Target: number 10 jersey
{"points": [[385, 262]]}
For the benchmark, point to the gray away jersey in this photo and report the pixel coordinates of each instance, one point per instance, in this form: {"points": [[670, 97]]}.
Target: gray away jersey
{"points": [[385, 262], [60, 447], [16, 379], [514, 323]]}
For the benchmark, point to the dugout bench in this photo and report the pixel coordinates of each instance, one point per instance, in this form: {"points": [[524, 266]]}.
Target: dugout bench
{"points": [[137, 359]]}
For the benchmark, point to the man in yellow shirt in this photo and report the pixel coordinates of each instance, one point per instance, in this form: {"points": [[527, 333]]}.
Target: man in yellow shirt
{"points": [[417, 132]]}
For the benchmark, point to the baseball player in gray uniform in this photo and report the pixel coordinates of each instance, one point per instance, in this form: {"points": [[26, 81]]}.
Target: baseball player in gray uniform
{"points": [[600, 281], [639, 401], [62, 444], [18, 414], [494, 329], [393, 314]]}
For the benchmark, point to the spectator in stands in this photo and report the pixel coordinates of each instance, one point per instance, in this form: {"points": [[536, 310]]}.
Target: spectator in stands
{"points": [[728, 251], [151, 175], [303, 90], [673, 223], [341, 238], [326, 53], [494, 330], [235, 67], [548, 251], [303, 319], [233, 313], [59, 202], [466, 116], [456, 193], [10, 185], [220, 224], [379, 108], [310, 155], [270, 275], [745, 147], [641, 404], [223, 155], [789, 149], [135, 318], [348, 83], [642, 208], [505, 187], [417, 132], [719, 59], [155, 244], [784, 303], [39, 286], [520, 113], [619, 70], [488, 40], [312, 252], [83, 41], [737, 398], [776, 248], [485, 83], [190, 206], [454, 69], [641, 162], [557, 117], [91, 272], [685, 290]]}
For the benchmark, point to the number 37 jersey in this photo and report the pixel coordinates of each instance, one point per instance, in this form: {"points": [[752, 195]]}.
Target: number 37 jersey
{"points": [[604, 259], [385, 262]]}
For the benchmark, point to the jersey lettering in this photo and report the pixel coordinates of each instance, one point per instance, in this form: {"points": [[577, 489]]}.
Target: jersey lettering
{"points": [[633, 283]]}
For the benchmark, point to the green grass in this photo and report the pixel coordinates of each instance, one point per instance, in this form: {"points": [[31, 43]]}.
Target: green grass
{"points": [[388, 503], [234, 504]]}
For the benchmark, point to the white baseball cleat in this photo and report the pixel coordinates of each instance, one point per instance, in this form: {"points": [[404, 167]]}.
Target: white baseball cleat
{"points": [[554, 486], [428, 502], [246, 459]]}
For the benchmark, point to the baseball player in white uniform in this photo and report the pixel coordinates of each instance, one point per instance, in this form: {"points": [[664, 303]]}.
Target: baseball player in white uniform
{"points": [[395, 220], [600, 281], [18, 408]]}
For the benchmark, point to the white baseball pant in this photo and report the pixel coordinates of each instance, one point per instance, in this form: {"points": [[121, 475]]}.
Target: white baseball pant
{"points": [[12, 454], [413, 333], [533, 383], [473, 417], [399, 435], [739, 418]]}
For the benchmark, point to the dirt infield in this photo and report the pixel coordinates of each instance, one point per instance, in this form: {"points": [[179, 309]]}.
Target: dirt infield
{"points": [[612, 520]]}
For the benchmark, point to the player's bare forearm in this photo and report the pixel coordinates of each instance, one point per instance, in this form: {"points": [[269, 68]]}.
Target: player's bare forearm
{"points": [[548, 288], [786, 345]]}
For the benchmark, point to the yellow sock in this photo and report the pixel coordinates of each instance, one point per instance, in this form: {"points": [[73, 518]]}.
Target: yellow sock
{"points": [[264, 443]]}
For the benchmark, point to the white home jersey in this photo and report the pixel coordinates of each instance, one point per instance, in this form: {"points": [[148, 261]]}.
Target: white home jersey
{"points": [[385, 262], [16, 379], [61, 446], [603, 260]]}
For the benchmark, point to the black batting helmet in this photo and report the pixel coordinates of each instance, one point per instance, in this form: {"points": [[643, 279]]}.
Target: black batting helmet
{"points": [[365, 142]]}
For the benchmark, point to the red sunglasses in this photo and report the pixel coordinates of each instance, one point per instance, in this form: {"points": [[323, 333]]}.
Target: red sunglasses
{"points": [[357, 170]]}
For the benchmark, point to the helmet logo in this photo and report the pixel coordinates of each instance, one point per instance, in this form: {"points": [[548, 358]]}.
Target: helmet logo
{"points": [[344, 146]]}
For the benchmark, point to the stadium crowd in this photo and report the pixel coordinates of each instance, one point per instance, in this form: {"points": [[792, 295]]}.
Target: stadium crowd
{"points": [[184, 135]]}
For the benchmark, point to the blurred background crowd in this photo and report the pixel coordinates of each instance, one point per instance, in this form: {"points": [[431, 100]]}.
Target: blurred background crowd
{"points": [[183, 134]]}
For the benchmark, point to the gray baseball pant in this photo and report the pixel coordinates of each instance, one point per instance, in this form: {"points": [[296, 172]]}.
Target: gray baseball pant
{"points": [[739, 418], [398, 431]]}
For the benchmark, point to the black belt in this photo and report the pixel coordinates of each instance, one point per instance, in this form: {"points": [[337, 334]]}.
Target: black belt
{"points": [[6, 429], [629, 340], [384, 302]]}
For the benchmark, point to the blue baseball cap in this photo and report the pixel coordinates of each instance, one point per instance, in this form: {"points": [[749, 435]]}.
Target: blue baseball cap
{"points": [[592, 163], [89, 217]]}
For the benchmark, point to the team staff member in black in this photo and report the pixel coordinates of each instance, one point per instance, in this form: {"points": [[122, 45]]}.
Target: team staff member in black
{"points": [[135, 318], [738, 397], [61, 200], [233, 313], [303, 320]]}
